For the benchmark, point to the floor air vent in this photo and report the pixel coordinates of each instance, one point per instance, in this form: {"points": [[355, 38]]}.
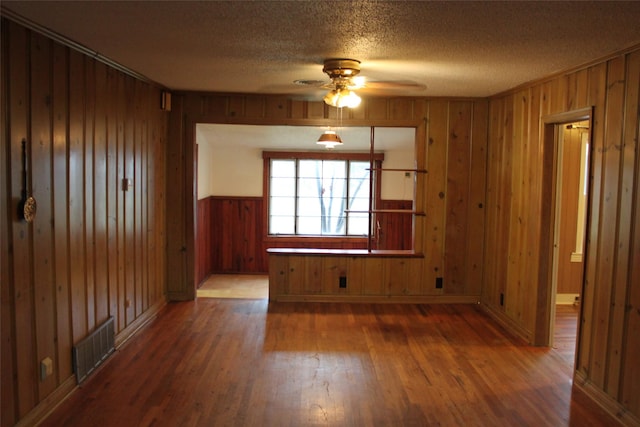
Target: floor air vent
{"points": [[89, 353]]}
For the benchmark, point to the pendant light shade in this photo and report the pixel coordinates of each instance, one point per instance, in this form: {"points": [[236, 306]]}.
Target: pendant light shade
{"points": [[329, 139]]}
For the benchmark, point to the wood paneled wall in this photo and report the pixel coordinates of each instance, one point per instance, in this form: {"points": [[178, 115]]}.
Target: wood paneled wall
{"points": [[231, 237], [569, 272], [517, 194], [396, 229], [235, 235], [93, 250], [450, 144], [204, 245]]}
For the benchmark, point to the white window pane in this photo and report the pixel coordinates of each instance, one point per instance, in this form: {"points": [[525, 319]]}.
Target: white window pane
{"points": [[310, 187], [310, 168], [317, 225], [283, 168], [359, 188], [283, 187], [359, 204], [282, 206], [309, 206], [334, 188], [358, 224], [281, 224], [359, 170], [336, 207], [334, 169], [334, 225], [309, 225]]}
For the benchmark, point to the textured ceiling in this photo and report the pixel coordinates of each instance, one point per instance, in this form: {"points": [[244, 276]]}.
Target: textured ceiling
{"points": [[452, 48]]}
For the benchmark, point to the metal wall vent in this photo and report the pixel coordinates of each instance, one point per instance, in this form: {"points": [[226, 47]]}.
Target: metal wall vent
{"points": [[91, 351]]}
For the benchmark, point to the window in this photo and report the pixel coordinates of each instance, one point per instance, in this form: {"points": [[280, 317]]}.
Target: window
{"points": [[318, 196]]}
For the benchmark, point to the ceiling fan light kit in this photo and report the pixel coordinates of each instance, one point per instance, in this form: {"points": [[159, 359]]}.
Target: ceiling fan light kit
{"points": [[342, 97], [342, 72]]}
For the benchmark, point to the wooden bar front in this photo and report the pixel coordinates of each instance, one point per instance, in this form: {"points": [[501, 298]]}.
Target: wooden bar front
{"points": [[355, 275]]}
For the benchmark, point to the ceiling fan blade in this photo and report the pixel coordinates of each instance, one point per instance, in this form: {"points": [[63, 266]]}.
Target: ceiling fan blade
{"points": [[313, 83], [395, 85], [383, 88]]}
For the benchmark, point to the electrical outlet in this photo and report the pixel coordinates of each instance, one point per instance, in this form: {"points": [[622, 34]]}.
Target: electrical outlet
{"points": [[439, 282], [342, 282], [501, 298], [46, 368]]}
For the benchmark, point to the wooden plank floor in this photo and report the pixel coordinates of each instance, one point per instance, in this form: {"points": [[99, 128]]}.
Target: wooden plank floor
{"points": [[565, 331], [233, 362], [243, 286]]}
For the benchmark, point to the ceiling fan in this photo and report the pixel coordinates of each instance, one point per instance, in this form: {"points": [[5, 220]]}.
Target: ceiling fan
{"points": [[345, 80]]}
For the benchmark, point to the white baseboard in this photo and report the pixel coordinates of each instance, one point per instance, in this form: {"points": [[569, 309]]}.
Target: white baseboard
{"points": [[567, 299]]}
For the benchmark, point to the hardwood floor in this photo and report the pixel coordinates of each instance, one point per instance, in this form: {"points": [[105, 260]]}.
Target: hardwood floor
{"points": [[242, 286], [565, 331], [234, 362]]}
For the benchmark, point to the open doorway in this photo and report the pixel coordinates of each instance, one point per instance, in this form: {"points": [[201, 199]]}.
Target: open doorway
{"points": [[233, 181], [555, 207], [572, 184]]}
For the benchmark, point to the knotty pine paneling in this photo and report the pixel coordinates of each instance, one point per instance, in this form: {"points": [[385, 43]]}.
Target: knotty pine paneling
{"points": [[517, 195], [93, 250], [629, 343]]}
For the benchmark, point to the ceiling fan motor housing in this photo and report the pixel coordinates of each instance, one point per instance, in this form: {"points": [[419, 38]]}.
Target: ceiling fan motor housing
{"points": [[341, 68]]}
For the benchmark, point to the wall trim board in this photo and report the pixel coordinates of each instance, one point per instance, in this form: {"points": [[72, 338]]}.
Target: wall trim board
{"points": [[179, 296], [135, 326], [59, 38], [381, 299], [586, 65], [576, 115], [503, 320], [241, 198], [327, 120], [70, 385], [606, 402], [50, 403], [567, 299]]}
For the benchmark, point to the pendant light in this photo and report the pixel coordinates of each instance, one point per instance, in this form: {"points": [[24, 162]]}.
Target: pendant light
{"points": [[329, 139]]}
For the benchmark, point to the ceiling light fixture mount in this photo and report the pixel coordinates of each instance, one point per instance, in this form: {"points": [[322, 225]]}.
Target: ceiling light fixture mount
{"points": [[342, 71]]}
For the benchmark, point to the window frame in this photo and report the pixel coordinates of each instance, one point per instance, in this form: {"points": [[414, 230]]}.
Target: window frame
{"points": [[267, 156]]}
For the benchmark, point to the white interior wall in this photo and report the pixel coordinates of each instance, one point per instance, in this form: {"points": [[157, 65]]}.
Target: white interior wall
{"points": [[229, 171], [230, 157]]}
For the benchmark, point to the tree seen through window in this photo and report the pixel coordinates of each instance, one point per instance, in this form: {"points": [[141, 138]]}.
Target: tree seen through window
{"points": [[313, 197]]}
